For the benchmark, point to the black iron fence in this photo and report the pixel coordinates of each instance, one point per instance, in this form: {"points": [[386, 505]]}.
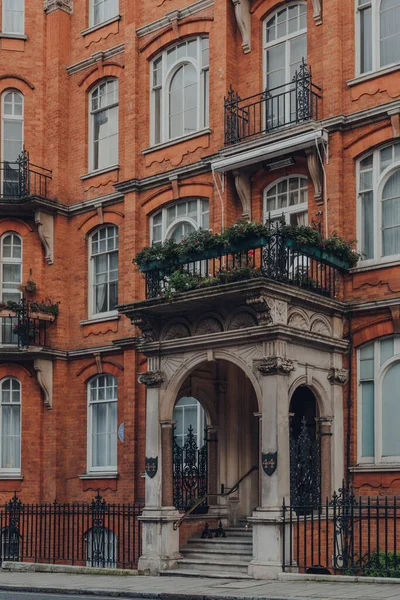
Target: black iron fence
{"points": [[95, 534], [190, 472], [294, 102], [348, 535], [22, 179], [275, 257], [21, 326]]}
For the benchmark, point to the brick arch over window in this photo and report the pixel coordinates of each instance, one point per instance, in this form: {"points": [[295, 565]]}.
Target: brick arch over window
{"points": [[16, 82], [15, 225], [92, 222], [157, 199], [168, 37], [102, 71], [369, 141], [108, 367], [368, 333]]}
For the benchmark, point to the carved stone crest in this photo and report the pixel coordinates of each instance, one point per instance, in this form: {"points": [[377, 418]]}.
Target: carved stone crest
{"points": [[51, 5], [338, 376], [273, 365], [151, 378], [151, 466], [269, 462]]}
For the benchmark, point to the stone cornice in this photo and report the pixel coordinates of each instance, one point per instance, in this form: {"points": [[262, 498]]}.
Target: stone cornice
{"points": [[52, 5], [175, 15], [94, 58]]}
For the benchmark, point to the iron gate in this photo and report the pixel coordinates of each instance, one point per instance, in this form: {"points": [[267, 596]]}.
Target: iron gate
{"points": [[190, 472], [305, 468]]}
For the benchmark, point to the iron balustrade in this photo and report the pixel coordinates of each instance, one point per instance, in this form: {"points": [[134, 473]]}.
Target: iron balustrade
{"points": [[190, 472], [275, 257], [294, 102], [348, 535], [22, 327], [94, 534], [23, 179]]}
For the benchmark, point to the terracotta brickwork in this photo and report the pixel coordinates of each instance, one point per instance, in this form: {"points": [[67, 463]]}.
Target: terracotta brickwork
{"points": [[55, 68]]}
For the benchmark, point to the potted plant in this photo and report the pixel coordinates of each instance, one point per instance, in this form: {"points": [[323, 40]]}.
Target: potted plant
{"points": [[29, 287]]}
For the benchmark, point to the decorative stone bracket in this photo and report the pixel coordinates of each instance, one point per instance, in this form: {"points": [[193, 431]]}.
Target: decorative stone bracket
{"points": [[44, 375], [394, 115], [274, 365], [151, 378], [315, 171], [260, 304], [52, 5], [147, 327], [45, 225], [243, 188], [317, 15], [243, 19], [338, 376]]}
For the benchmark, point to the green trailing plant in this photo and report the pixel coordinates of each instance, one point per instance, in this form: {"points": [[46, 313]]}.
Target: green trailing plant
{"points": [[200, 240], [45, 306], [380, 564]]}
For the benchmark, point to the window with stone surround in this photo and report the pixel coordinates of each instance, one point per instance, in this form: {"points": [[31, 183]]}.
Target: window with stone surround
{"points": [[288, 198], [103, 296], [378, 401], [378, 34], [103, 125], [378, 223], [10, 280], [180, 90], [10, 427], [102, 424], [102, 11], [13, 17], [179, 219]]}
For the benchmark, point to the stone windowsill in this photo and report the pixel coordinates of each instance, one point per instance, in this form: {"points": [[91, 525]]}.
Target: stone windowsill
{"points": [[99, 172], [14, 36], [373, 75], [369, 467], [184, 138], [374, 265], [100, 319], [11, 476], [99, 475], [100, 25]]}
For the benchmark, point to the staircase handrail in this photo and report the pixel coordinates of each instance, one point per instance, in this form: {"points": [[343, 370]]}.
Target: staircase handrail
{"points": [[200, 501]]}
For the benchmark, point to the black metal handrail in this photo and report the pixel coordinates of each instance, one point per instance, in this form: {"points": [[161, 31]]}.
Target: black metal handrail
{"points": [[21, 326], [23, 179], [294, 102]]}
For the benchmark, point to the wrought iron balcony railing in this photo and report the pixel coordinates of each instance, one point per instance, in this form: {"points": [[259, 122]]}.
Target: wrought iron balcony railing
{"points": [[22, 325], [295, 102], [23, 179]]}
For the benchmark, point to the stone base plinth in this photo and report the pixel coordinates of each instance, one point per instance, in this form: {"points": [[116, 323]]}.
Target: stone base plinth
{"points": [[160, 541], [267, 543]]}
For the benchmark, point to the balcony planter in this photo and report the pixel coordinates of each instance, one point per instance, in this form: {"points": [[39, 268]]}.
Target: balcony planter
{"points": [[7, 313], [318, 253], [248, 243], [41, 316]]}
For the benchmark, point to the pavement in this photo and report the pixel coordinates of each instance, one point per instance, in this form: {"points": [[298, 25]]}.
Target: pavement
{"points": [[194, 588]]}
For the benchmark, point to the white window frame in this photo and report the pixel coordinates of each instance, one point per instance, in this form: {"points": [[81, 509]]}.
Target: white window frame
{"points": [[92, 113], [167, 230], [375, 42], [90, 467], [379, 374], [14, 470], [378, 183], [4, 119], [91, 13], [166, 76], [9, 260], [289, 210], [91, 295], [3, 21]]}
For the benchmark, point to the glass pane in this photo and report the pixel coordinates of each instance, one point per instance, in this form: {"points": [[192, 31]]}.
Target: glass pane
{"points": [[391, 412], [276, 66], [386, 350], [389, 32], [366, 40], [298, 51], [386, 157], [367, 209], [368, 419]]}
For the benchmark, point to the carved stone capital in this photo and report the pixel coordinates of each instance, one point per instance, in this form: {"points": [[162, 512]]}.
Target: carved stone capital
{"points": [[274, 365], [52, 5], [260, 304], [151, 378], [338, 376]]}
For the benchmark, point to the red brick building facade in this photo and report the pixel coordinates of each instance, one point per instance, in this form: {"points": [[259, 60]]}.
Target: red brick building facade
{"points": [[121, 103]]}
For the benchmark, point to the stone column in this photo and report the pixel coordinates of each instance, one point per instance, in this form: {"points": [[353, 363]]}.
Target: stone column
{"points": [[338, 378], [325, 431], [160, 540]]}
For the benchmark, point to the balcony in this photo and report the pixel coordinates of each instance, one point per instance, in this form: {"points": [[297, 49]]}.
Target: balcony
{"points": [[293, 103], [23, 180], [25, 323]]}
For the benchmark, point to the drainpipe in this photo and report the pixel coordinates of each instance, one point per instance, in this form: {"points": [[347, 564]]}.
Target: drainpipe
{"points": [[349, 404]]}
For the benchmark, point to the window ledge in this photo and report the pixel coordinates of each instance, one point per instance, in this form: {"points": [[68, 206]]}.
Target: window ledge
{"points": [[11, 476], [14, 36], [176, 141], [100, 25], [366, 468], [100, 172], [373, 75], [113, 317], [100, 475], [375, 265]]}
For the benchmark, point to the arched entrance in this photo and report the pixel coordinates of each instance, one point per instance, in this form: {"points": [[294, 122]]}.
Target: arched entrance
{"points": [[216, 442], [305, 449]]}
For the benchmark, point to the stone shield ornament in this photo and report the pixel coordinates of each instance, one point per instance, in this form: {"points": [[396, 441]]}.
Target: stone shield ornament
{"points": [[269, 462], [151, 466]]}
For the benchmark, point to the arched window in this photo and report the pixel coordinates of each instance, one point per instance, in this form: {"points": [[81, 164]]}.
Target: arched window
{"points": [[102, 10], [378, 34], [10, 279], [103, 129], [180, 90], [287, 197], [12, 141], [379, 204], [13, 16], [379, 406], [10, 450], [179, 219], [104, 271], [102, 424]]}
